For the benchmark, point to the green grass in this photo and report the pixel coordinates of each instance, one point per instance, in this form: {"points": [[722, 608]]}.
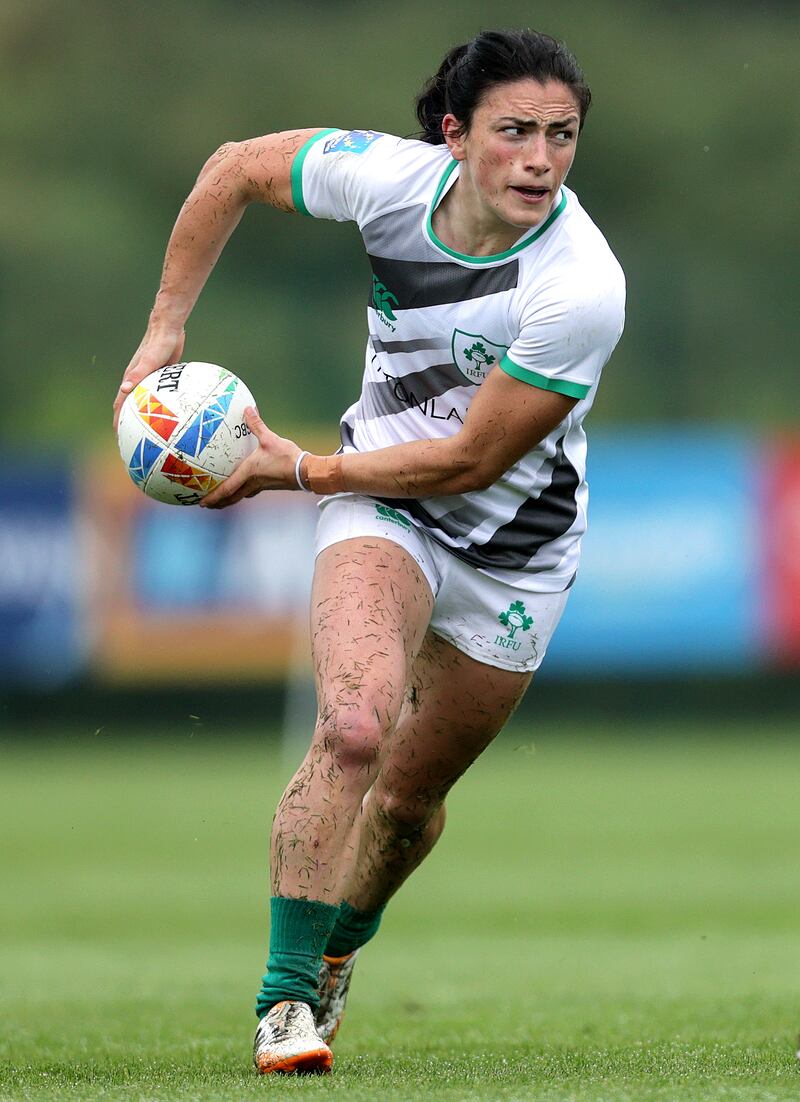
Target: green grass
{"points": [[605, 919]]}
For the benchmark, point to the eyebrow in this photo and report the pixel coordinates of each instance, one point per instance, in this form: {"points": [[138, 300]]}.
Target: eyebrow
{"points": [[572, 120]]}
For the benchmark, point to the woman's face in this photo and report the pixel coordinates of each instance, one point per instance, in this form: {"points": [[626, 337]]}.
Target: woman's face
{"points": [[518, 149]]}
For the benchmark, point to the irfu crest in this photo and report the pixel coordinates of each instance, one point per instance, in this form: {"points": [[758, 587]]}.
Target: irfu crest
{"points": [[475, 355], [515, 618], [478, 355]]}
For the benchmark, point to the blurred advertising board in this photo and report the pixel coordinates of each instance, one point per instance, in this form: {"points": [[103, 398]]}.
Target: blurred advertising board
{"points": [[41, 575], [781, 522], [185, 594], [691, 563], [670, 565]]}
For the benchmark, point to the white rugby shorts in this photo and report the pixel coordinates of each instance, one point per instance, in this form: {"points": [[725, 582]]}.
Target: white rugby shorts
{"points": [[491, 621]]}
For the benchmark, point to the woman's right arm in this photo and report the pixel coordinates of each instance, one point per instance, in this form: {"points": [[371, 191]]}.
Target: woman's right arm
{"points": [[258, 170]]}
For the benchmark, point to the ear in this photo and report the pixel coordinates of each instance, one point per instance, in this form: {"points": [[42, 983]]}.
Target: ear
{"points": [[454, 137]]}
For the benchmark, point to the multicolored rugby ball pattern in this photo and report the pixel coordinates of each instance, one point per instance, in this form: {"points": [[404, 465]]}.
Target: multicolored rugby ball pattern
{"points": [[182, 431]]}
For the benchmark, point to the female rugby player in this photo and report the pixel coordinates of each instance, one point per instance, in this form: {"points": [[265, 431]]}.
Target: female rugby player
{"points": [[453, 512]]}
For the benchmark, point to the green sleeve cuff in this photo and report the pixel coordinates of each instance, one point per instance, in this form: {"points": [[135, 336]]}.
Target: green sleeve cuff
{"points": [[297, 170], [562, 386]]}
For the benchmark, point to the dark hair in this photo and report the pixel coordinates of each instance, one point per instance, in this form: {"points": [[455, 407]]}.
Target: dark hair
{"points": [[492, 58]]}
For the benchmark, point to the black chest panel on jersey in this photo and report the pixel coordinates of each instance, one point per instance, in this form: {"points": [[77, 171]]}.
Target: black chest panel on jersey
{"points": [[417, 283]]}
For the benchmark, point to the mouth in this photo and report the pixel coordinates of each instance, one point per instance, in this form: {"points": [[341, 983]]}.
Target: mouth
{"points": [[531, 194]]}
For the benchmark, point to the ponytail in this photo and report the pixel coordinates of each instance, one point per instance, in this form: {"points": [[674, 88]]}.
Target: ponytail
{"points": [[432, 101]]}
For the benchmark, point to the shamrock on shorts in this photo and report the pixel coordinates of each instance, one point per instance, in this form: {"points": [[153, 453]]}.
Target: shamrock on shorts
{"points": [[515, 618]]}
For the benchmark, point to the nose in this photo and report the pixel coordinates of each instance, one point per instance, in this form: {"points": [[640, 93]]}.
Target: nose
{"points": [[537, 156]]}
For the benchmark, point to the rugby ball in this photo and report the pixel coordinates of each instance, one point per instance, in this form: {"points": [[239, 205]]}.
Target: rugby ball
{"points": [[182, 431]]}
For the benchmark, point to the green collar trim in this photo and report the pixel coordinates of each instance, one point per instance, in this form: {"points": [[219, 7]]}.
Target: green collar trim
{"points": [[521, 244]]}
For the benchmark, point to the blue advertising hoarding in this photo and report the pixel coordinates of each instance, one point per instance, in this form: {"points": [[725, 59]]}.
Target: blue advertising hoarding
{"points": [[41, 574], [668, 580], [257, 559], [671, 581]]}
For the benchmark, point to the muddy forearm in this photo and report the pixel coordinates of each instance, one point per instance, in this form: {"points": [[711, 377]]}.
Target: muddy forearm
{"points": [[420, 468]]}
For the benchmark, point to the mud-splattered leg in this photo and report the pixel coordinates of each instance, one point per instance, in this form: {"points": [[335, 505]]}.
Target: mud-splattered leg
{"points": [[370, 609], [453, 708]]}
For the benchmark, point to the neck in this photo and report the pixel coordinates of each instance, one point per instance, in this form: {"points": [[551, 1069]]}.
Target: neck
{"points": [[463, 224]]}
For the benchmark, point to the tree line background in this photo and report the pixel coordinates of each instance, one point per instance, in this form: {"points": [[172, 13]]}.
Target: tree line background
{"points": [[688, 163]]}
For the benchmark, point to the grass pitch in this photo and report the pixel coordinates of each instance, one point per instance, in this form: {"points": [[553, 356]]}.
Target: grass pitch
{"points": [[606, 918]]}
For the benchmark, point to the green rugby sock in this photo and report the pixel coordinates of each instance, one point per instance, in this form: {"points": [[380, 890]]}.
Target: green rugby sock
{"points": [[352, 930], [299, 932]]}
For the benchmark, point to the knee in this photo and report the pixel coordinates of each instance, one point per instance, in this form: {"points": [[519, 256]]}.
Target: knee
{"points": [[353, 738]]}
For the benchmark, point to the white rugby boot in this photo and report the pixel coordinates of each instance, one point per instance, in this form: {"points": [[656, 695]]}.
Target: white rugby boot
{"points": [[334, 982], [287, 1041]]}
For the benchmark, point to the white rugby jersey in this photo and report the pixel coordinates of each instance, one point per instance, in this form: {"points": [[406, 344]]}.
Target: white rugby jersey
{"points": [[548, 311]]}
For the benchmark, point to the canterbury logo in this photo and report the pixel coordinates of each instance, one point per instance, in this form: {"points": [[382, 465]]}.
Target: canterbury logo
{"points": [[387, 513], [383, 300]]}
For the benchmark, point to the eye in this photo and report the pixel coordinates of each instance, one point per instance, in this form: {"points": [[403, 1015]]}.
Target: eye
{"points": [[565, 135], [514, 130]]}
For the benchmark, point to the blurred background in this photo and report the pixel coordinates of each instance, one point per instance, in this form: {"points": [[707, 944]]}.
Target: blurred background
{"points": [[690, 587], [153, 659]]}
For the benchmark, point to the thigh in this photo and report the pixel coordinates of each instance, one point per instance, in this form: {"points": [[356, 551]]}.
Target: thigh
{"points": [[370, 608], [454, 707]]}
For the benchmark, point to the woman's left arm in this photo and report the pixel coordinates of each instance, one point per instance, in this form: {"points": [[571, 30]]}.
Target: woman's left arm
{"points": [[505, 420]]}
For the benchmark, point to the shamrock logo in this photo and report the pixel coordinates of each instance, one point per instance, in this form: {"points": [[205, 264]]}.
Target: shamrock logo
{"points": [[515, 618], [478, 354]]}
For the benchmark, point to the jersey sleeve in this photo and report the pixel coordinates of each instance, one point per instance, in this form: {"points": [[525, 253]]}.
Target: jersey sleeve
{"points": [[340, 174], [567, 334]]}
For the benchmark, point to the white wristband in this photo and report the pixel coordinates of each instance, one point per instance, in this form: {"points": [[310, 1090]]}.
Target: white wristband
{"points": [[297, 477]]}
